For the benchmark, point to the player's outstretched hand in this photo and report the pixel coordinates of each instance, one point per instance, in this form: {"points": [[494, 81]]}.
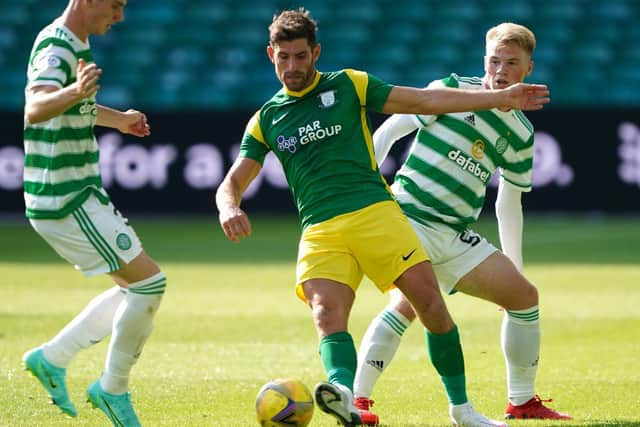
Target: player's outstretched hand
{"points": [[87, 77], [135, 123], [528, 97], [235, 223]]}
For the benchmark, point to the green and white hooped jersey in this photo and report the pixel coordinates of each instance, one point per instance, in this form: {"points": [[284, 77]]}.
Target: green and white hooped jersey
{"points": [[453, 157], [61, 155], [322, 137]]}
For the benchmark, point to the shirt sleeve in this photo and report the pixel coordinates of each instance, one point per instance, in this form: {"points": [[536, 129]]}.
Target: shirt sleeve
{"points": [[510, 221], [52, 66], [393, 129], [377, 93], [519, 171], [253, 144]]}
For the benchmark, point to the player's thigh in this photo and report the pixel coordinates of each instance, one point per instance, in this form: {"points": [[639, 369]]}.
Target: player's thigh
{"points": [[323, 254], [384, 243], [95, 238], [496, 279], [453, 253], [330, 303]]}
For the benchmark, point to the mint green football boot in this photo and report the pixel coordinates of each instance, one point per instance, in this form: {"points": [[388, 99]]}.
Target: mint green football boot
{"points": [[52, 379], [117, 407]]}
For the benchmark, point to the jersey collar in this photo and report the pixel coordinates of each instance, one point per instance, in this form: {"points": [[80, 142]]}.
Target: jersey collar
{"points": [[303, 92]]}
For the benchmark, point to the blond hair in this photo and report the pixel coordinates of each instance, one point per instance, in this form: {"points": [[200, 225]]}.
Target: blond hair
{"points": [[508, 32]]}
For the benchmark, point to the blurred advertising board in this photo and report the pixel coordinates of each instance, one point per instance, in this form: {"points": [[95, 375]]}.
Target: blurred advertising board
{"points": [[585, 160]]}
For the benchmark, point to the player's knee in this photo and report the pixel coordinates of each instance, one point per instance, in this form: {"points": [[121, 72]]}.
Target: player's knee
{"points": [[532, 294], [400, 304]]}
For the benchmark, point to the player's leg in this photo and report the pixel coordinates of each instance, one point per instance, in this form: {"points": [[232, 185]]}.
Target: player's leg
{"points": [[443, 343], [89, 327], [75, 239], [496, 279], [327, 276], [379, 345], [131, 327], [330, 304]]}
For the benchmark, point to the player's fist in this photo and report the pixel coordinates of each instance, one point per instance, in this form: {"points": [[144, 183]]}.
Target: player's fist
{"points": [[135, 123]]}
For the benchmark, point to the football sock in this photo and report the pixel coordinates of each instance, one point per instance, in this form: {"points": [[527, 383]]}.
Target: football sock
{"points": [[377, 349], [521, 348], [89, 327], [338, 354], [445, 352], [132, 325]]}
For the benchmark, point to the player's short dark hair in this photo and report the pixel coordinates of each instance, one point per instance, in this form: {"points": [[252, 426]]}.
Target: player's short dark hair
{"points": [[291, 25]]}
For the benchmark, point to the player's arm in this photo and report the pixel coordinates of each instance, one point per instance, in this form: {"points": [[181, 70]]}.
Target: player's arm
{"points": [[520, 96], [393, 129], [398, 126], [510, 221], [131, 121], [44, 102], [233, 220]]}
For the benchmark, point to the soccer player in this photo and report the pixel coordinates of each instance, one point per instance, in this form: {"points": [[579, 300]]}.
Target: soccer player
{"points": [[318, 128], [441, 188], [68, 207]]}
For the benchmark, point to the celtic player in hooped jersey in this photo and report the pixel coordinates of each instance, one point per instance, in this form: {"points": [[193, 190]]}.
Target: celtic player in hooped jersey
{"points": [[69, 209], [317, 126], [441, 187]]}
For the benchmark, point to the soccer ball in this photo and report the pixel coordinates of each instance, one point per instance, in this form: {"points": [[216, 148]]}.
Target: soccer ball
{"points": [[284, 402]]}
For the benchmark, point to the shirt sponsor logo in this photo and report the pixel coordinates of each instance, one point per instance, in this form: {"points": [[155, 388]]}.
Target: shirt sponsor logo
{"points": [[88, 108], [287, 144], [316, 132], [467, 164], [477, 149]]}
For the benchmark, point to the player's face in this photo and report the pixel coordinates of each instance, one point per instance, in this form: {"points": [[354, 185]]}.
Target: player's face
{"points": [[104, 14], [295, 63], [505, 64]]}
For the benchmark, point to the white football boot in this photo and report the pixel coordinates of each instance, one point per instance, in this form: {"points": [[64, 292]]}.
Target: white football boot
{"points": [[465, 416], [337, 400]]}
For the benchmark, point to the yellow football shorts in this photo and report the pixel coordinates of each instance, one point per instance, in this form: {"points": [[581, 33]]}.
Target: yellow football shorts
{"points": [[377, 240]]}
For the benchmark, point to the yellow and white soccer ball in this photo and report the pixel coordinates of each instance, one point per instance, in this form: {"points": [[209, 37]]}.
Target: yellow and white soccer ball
{"points": [[284, 403]]}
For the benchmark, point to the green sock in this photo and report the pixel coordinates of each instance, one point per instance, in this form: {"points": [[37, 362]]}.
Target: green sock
{"points": [[446, 356], [339, 358]]}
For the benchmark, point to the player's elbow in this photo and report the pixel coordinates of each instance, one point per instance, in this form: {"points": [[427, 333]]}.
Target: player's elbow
{"points": [[31, 116], [34, 115]]}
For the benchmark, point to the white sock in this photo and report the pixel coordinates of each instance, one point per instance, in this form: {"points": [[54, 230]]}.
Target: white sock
{"points": [[377, 349], [132, 325], [87, 328], [521, 348]]}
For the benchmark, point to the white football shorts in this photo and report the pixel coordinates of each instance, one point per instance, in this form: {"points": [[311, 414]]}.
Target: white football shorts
{"points": [[95, 238], [453, 254]]}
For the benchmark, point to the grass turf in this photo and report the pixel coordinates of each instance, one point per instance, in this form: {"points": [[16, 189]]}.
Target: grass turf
{"points": [[230, 322]]}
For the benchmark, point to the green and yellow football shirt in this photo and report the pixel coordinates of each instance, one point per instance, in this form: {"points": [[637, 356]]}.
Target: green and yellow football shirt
{"points": [[322, 137]]}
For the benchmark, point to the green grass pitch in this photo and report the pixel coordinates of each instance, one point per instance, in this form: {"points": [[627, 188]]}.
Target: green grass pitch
{"points": [[230, 322]]}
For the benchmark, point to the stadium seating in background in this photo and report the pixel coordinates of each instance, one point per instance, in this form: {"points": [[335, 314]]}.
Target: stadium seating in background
{"points": [[210, 54]]}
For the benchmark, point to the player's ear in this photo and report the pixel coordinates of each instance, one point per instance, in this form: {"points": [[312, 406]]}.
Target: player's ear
{"points": [[530, 69], [316, 52], [271, 53]]}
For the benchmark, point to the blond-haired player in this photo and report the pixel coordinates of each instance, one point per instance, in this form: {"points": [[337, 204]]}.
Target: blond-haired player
{"points": [[441, 188]]}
